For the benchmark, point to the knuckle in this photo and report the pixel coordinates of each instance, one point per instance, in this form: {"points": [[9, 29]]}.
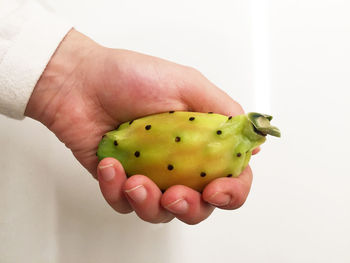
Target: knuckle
{"points": [[155, 218], [124, 210], [237, 202], [121, 207], [152, 220], [194, 71], [193, 222]]}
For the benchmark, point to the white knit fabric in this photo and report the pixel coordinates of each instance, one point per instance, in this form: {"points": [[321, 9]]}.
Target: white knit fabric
{"points": [[29, 35]]}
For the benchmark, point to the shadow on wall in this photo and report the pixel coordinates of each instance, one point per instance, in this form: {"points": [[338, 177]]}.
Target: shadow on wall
{"points": [[88, 230], [54, 211]]}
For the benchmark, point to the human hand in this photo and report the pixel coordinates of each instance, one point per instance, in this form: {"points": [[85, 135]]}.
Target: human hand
{"points": [[87, 90]]}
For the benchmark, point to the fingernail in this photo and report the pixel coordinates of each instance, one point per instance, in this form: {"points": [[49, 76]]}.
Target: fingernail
{"points": [[137, 193], [180, 206], [107, 172], [219, 199]]}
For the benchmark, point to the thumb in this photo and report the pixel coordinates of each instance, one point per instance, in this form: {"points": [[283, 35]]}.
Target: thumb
{"points": [[201, 95]]}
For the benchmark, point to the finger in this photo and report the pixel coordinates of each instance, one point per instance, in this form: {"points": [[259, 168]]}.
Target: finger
{"points": [[186, 204], [209, 98], [111, 177], [229, 193], [144, 196], [256, 150]]}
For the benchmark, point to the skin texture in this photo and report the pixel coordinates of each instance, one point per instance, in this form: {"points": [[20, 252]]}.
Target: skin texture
{"points": [[87, 90]]}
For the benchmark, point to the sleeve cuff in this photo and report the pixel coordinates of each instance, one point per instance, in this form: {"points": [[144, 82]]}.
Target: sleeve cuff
{"points": [[27, 58]]}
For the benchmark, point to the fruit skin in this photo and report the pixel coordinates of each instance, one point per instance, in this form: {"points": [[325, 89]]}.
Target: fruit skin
{"points": [[186, 148]]}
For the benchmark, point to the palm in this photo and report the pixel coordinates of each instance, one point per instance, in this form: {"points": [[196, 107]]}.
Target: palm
{"points": [[133, 85]]}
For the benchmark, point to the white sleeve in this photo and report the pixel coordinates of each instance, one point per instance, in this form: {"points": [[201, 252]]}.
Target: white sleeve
{"points": [[29, 35]]}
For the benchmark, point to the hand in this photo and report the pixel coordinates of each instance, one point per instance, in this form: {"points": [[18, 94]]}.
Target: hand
{"points": [[87, 90]]}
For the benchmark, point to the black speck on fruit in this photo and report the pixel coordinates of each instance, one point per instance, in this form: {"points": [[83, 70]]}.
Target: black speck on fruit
{"points": [[177, 139], [203, 174], [170, 167], [115, 142], [171, 111], [239, 154], [148, 127], [218, 132], [191, 118], [229, 175], [137, 154]]}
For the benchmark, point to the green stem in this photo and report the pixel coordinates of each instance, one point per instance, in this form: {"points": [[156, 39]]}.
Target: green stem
{"points": [[261, 124]]}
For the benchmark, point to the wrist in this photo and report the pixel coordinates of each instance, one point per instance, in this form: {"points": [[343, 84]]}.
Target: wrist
{"points": [[46, 96]]}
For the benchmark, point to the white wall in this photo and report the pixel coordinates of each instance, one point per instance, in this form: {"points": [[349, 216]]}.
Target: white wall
{"points": [[295, 53]]}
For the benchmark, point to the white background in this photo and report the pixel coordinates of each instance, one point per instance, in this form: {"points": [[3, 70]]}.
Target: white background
{"points": [[290, 58]]}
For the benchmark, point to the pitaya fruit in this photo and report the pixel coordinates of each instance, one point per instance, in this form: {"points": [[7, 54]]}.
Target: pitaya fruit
{"points": [[186, 148]]}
